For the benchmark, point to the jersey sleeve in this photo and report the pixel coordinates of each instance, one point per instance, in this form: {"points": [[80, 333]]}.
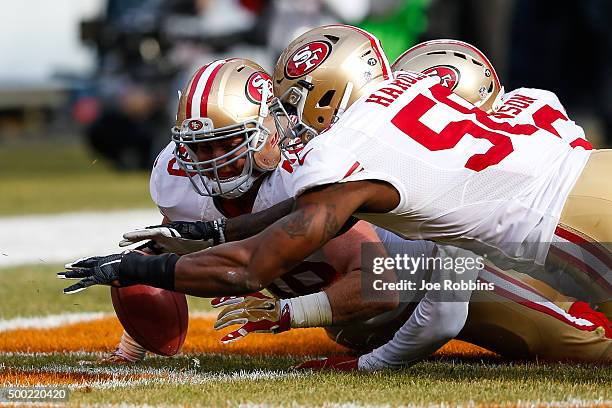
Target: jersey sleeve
{"points": [[156, 180], [172, 192], [274, 189], [320, 164]]}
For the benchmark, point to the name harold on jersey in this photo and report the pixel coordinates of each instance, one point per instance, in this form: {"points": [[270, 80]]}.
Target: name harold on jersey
{"points": [[402, 82]]}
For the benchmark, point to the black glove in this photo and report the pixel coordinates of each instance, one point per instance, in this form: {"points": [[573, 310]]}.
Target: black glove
{"points": [[128, 268], [97, 270], [200, 230]]}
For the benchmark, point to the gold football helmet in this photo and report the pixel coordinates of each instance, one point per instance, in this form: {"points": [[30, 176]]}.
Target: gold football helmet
{"points": [[223, 100], [320, 74], [461, 67]]}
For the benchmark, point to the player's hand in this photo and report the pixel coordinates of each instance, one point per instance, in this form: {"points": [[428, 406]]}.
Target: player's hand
{"points": [[339, 363], [96, 270], [180, 237], [256, 313]]}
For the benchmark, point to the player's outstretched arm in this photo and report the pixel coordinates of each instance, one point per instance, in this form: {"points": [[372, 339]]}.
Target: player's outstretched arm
{"points": [[249, 265]]}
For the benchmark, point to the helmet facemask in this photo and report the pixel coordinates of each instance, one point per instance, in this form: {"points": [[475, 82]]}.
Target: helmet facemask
{"points": [[204, 175], [287, 111]]}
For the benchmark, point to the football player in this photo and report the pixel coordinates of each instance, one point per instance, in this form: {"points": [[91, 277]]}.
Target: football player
{"points": [[467, 72], [381, 181], [521, 318]]}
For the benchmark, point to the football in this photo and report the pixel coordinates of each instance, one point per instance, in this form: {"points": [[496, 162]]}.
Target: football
{"points": [[156, 318]]}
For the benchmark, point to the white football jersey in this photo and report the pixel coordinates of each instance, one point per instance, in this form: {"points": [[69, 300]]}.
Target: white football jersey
{"points": [[175, 197], [464, 177]]}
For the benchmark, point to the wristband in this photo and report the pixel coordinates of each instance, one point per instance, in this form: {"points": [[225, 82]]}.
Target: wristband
{"points": [[309, 311], [156, 271]]}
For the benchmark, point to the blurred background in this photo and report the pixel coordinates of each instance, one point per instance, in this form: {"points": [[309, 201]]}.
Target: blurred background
{"points": [[90, 86]]}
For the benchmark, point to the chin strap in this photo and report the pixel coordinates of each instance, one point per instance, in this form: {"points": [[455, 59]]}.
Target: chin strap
{"points": [[241, 189], [348, 91]]}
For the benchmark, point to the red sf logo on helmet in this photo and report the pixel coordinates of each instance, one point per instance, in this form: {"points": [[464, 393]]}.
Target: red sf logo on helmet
{"points": [[255, 86], [449, 76], [195, 125], [307, 58]]}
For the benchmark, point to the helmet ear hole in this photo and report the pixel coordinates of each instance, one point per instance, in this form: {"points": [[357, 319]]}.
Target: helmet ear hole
{"points": [[334, 39], [326, 99], [320, 119]]}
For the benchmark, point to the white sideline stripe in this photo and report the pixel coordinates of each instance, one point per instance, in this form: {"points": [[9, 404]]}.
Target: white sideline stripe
{"points": [[205, 315], [51, 321], [162, 376], [62, 238], [191, 376]]}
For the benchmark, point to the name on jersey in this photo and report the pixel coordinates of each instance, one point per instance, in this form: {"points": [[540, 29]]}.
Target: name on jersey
{"points": [[513, 106], [402, 82]]}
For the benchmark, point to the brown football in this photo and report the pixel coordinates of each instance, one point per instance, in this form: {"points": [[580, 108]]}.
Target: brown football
{"points": [[156, 318]]}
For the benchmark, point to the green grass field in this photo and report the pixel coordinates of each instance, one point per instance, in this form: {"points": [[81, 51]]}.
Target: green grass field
{"points": [[42, 179], [229, 381], [38, 284], [69, 179], [233, 380]]}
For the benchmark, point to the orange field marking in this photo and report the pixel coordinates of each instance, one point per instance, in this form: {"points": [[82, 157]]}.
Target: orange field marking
{"points": [[104, 334], [25, 378]]}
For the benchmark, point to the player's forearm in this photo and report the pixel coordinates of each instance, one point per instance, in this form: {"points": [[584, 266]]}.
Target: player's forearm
{"points": [[251, 264], [219, 271], [247, 225], [341, 303], [439, 317]]}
